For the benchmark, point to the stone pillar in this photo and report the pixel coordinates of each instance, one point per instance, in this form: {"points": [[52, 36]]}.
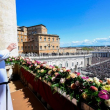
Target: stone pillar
{"points": [[8, 25]]}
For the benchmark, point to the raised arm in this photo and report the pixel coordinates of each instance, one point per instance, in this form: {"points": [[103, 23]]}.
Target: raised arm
{"points": [[4, 54]]}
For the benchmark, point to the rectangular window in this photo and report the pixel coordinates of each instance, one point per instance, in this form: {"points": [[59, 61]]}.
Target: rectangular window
{"points": [[44, 39], [81, 62], [57, 47], [22, 47], [48, 39], [49, 47], [53, 39], [44, 47], [53, 47], [40, 38], [21, 40], [40, 47], [72, 64], [21, 36]]}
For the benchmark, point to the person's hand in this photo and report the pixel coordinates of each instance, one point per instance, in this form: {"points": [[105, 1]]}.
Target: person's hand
{"points": [[11, 46]]}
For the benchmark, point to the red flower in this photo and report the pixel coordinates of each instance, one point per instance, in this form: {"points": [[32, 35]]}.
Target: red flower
{"points": [[100, 81], [78, 74], [68, 71], [94, 88]]}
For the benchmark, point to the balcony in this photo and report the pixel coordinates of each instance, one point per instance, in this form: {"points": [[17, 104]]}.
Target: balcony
{"points": [[31, 90]]}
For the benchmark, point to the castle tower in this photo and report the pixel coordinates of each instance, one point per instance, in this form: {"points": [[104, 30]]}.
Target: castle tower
{"points": [[8, 25]]}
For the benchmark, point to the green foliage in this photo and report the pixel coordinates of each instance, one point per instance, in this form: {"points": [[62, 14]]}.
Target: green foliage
{"points": [[87, 49]]}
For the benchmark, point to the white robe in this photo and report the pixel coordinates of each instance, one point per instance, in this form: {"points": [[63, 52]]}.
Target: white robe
{"points": [[4, 54]]}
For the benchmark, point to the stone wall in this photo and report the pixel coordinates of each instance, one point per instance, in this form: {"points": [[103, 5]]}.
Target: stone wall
{"points": [[8, 25]]}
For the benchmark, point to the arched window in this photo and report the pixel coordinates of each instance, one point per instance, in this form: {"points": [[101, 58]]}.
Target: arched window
{"points": [[60, 66], [66, 64]]}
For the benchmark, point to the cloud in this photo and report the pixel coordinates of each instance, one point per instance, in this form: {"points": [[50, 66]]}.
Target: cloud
{"points": [[87, 42]]}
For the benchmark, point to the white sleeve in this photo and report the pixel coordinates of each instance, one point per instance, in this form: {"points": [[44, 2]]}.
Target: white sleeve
{"points": [[4, 54]]}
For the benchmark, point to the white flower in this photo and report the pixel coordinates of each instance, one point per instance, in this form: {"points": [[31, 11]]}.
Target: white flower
{"points": [[46, 76], [107, 102], [97, 82], [104, 83], [96, 79], [90, 79], [62, 80], [30, 66], [35, 64], [53, 78], [61, 70]]}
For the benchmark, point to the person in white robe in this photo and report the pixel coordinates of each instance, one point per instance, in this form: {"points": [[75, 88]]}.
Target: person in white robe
{"points": [[4, 54]]}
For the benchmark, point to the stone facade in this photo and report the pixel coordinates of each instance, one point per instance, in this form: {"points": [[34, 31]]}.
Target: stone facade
{"points": [[8, 25], [70, 61], [67, 50], [22, 37], [38, 41]]}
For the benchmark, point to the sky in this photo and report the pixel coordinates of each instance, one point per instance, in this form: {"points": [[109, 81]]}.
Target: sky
{"points": [[77, 22]]}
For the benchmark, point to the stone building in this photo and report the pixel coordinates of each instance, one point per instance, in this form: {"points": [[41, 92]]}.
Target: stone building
{"points": [[36, 40], [22, 37], [39, 41], [67, 50]]}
